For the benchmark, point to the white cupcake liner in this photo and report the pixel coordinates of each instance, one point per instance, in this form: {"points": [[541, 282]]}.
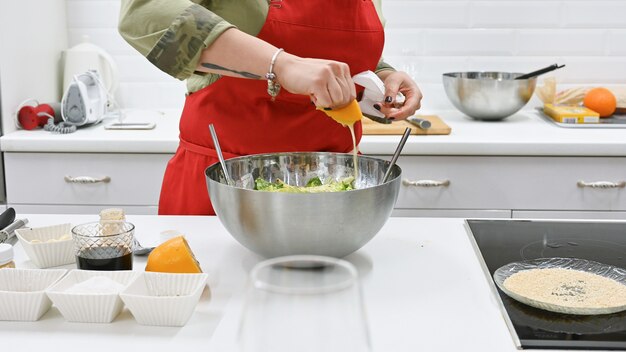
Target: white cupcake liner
{"points": [[164, 299], [22, 296], [89, 307], [45, 254]]}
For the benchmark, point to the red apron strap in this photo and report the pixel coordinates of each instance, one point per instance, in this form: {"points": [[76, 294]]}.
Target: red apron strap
{"points": [[204, 150]]}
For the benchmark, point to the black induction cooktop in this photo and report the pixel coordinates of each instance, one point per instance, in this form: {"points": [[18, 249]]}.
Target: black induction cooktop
{"points": [[504, 241]]}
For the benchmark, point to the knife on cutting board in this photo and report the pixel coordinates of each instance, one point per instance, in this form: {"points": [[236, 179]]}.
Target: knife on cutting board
{"points": [[421, 123], [377, 119]]}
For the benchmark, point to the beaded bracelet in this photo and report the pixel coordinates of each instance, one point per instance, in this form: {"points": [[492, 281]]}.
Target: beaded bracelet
{"points": [[273, 87]]}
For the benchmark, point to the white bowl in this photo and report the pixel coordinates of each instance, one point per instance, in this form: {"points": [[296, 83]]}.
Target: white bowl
{"points": [[22, 295], [95, 303], [164, 299], [42, 247]]}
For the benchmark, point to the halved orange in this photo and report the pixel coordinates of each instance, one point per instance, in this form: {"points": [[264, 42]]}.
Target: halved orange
{"points": [[173, 256], [347, 115]]}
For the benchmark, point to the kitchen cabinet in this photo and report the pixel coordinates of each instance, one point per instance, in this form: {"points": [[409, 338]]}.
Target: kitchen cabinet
{"points": [[547, 214], [523, 166], [84, 182], [432, 186], [452, 213], [480, 186]]}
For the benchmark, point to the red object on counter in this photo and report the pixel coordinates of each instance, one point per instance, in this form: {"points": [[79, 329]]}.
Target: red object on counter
{"points": [[248, 122], [31, 117]]}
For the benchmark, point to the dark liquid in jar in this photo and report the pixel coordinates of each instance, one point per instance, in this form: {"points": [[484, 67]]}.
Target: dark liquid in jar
{"points": [[97, 259]]}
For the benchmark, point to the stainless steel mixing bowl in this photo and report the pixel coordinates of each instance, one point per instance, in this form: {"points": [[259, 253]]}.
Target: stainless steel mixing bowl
{"points": [[276, 224], [488, 95]]}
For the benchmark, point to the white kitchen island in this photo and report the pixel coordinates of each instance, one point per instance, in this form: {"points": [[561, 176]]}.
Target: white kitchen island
{"points": [[423, 287]]}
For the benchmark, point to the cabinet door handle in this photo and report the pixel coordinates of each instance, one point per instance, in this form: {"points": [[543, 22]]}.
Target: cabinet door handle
{"points": [[602, 184], [87, 179], [426, 183]]}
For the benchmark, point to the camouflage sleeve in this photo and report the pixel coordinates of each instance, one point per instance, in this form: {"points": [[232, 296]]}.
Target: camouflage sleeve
{"points": [[171, 34], [383, 66]]}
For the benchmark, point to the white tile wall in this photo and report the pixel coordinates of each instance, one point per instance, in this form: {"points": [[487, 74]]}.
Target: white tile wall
{"points": [[142, 85], [425, 38]]}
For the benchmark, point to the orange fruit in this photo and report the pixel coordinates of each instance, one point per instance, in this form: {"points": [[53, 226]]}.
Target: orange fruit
{"points": [[173, 256], [347, 115], [601, 100]]}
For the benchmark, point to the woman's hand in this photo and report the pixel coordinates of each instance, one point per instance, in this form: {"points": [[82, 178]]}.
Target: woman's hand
{"points": [[399, 82], [327, 82], [237, 54]]}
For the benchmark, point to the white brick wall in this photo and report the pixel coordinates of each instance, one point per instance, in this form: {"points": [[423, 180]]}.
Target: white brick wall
{"points": [[426, 39]]}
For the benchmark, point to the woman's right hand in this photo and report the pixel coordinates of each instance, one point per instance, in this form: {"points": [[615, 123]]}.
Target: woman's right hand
{"points": [[327, 82]]}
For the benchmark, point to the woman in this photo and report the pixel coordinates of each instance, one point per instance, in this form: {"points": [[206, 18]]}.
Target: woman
{"points": [[236, 55]]}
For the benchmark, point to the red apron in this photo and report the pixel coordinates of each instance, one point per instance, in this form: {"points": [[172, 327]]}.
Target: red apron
{"points": [[248, 122]]}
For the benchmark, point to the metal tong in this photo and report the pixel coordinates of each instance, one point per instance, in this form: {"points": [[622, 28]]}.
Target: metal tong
{"points": [[396, 154], [7, 234], [220, 156]]}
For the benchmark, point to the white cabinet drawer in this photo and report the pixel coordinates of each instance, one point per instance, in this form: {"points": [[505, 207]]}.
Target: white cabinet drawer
{"points": [[521, 183], [80, 209], [42, 178]]}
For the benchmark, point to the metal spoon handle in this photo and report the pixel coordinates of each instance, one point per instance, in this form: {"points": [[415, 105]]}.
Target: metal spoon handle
{"points": [[218, 150], [540, 71], [396, 154]]}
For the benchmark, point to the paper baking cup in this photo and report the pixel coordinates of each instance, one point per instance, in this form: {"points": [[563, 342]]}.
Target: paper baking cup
{"points": [[164, 299], [46, 254], [88, 307], [22, 296]]}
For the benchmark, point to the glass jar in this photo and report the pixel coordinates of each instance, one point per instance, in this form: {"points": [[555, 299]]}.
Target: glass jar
{"points": [[6, 256]]}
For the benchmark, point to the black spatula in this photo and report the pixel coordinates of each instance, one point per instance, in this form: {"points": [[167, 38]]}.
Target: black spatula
{"points": [[540, 72]]}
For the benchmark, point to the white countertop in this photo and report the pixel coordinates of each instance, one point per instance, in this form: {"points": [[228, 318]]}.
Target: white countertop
{"points": [[423, 290], [525, 133]]}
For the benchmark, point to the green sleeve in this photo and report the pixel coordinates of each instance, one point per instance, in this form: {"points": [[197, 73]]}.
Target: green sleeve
{"points": [[171, 34]]}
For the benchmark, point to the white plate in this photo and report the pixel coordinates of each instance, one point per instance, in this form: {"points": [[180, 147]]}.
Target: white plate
{"points": [[604, 270]]}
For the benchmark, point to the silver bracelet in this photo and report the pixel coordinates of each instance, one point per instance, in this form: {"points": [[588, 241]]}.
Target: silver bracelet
{"points": [[273, 87]]}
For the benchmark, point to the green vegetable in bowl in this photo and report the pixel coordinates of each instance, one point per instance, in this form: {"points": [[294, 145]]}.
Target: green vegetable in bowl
{"points": [[315, 181], [262, 185], [314, 185]]}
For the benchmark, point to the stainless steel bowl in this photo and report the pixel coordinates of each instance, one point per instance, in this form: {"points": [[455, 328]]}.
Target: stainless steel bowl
{"points": [[276, 224], [488, 95]]}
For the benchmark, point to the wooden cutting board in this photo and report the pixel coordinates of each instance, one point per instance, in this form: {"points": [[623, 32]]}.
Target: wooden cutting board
{"points": [[398, 127]]}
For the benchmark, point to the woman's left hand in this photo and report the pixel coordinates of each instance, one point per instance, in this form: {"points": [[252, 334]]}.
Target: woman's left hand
{"points": [[399, 82]]}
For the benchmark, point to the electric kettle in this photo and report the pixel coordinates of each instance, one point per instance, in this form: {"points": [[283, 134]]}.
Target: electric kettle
{"points": [[86, 57]]}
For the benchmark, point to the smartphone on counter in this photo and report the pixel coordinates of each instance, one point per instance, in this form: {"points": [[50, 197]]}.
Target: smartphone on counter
{"points": [[130, 126]]}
